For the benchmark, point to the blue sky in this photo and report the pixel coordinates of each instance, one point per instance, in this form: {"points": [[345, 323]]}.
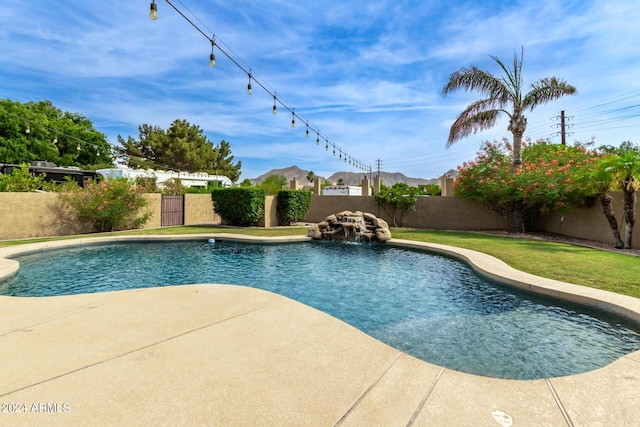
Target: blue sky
{"points": [[367, 74]]}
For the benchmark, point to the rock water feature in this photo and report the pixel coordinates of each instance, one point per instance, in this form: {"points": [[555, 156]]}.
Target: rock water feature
{"points": [[352, 226]]}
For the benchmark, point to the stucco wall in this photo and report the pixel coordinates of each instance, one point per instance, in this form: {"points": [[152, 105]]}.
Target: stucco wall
{"points": [[30, 215], [24, 215], [270, 218], [198, 209], [441, 213], [589, 223]]}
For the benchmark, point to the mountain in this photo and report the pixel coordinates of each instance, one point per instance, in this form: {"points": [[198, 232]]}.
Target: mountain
{"points": [[290, 173], [350, 178]]}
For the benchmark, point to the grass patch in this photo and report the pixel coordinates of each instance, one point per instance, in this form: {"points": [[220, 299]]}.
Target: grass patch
{"points": [[595, 268]]}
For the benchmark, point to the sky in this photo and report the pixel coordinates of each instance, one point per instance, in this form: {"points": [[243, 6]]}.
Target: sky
{"points": [[367, 76]]}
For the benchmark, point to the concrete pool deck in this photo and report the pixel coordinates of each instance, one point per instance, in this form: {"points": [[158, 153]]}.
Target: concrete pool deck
{"points": [[230, 355]]}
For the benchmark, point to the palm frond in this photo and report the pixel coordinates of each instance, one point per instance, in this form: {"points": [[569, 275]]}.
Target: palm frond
{"points": [[474, 79], [475, 118], [545, 90]]}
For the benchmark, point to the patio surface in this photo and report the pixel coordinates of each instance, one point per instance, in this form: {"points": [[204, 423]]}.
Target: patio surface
{"points": [[229, 355]]}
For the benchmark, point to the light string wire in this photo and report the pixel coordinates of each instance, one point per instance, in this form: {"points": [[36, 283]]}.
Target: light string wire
{"points": [[57, 133], [264, 86]]}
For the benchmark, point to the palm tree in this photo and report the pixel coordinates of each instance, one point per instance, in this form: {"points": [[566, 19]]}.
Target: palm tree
{"points": [[310, 176], [625, 169], [502, 93], [602, 180]]}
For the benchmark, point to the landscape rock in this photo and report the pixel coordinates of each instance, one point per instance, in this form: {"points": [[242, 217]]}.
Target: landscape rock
{"points": [[352, 226]]}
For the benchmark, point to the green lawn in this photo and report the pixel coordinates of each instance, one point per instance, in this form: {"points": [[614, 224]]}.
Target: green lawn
{"points": [[569, 263]]}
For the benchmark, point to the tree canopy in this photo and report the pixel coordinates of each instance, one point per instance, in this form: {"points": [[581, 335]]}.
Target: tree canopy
{"points": [[182, 147], [39, 131], [550, 179]]}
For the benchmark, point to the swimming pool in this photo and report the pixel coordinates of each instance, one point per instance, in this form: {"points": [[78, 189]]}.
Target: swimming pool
{"points": [[430, 306]]}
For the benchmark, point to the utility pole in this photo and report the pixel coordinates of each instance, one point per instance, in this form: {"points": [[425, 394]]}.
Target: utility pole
{"points": [[563, 127], [379, 165], [563, 134]]}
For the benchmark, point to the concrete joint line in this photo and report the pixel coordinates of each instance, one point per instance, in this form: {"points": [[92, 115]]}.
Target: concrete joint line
{"points": [[559, 403], [371, 386], [424, 399], [53, 319], [130, 352]]}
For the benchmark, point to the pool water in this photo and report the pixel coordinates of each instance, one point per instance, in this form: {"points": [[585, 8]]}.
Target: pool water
{"points": [[430, 306]]}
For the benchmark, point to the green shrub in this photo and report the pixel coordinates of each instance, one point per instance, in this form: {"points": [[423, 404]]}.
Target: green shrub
{"points": [[239, 206], [293, 205], [21, 180], [109, 205]]}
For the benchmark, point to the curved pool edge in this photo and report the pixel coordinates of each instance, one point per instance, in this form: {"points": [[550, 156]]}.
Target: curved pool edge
{"points": [[303, 366], [624, 306], [269, 360]]}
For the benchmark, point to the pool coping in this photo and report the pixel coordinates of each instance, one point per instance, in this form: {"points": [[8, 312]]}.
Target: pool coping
{"points": [[373, 377]]}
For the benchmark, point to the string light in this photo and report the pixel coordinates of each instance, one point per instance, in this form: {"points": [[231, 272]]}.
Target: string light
{"points": [[54, 131], [212, 57], [326, 146], [153, 14], [293, 119], [153, 11]]}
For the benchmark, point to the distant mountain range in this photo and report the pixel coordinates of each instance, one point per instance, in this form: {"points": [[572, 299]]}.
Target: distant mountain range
{"points": [[350, 178]]}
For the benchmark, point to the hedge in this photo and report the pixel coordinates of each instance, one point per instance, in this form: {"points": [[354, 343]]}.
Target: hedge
{"points": [[293, 205], [239, 206]]}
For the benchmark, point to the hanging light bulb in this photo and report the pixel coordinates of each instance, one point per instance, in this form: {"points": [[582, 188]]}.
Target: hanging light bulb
{"points": [[326, 145], [27, 130], [334, 150], [212, 57], [249, 85], [153, 11], [318, 138], [78, 147], [55, 139], [307, 133], [340, 154], [293, 119], [274, 110]]}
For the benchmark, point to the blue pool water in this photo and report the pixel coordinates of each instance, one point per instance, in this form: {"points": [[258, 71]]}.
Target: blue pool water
{"points": [[430, 306]]}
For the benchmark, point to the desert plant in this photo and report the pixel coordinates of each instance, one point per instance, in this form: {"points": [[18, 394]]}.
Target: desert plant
{"points": [[109, 205], [21, 180]]}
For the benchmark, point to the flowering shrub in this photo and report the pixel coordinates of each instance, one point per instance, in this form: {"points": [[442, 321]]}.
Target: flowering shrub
{"points": [[550, 177], [109, 205]]}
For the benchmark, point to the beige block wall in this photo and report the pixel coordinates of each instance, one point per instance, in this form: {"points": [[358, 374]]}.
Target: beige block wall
{"points": [[26, 215], [440, 213], [154, 206], [31, 215], [198, 209], [589, 222], [270, 218]]}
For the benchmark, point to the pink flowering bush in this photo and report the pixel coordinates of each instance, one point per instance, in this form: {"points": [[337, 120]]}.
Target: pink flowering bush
{"points": [[109, 205], [550, 178]]}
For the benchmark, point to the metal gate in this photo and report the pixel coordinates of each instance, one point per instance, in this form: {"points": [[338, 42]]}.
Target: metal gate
{"points": [[172, 210]]}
